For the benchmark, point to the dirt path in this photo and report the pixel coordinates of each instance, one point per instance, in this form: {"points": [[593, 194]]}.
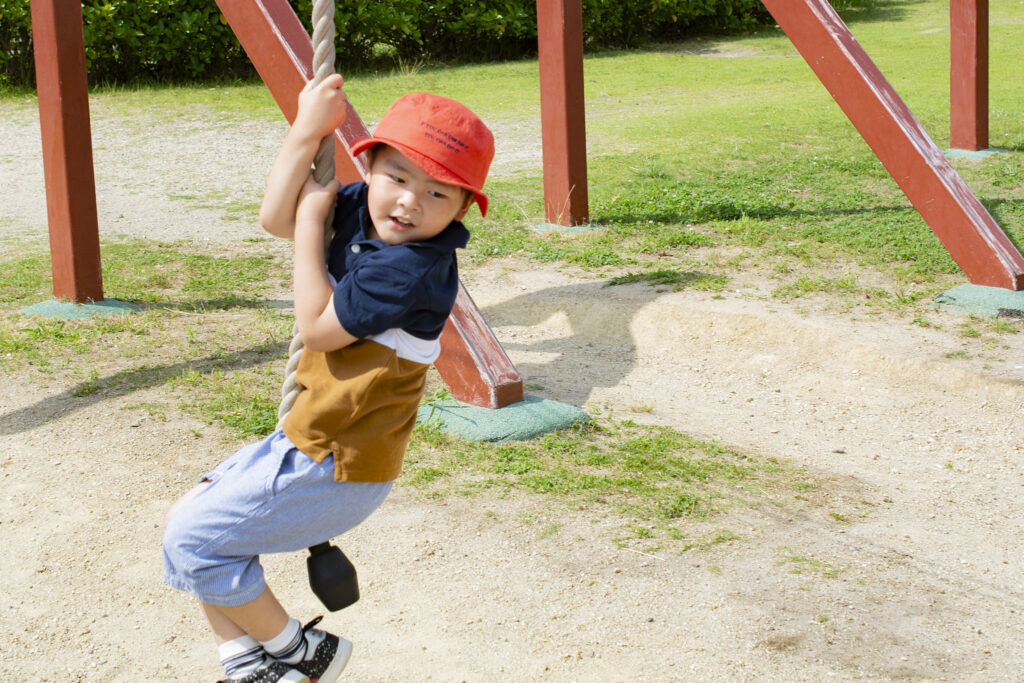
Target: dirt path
{"points": [[913, 571]]}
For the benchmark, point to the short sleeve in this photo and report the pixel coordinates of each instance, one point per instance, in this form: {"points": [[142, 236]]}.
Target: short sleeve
{"points": [[378, 295], [346, 225]]}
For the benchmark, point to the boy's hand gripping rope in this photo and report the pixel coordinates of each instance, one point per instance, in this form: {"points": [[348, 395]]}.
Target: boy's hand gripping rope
{"points": [[331, 576], [323, 173]]}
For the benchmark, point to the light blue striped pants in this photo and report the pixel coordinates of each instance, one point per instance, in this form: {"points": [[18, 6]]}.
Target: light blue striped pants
{"points": [[269, 497]]}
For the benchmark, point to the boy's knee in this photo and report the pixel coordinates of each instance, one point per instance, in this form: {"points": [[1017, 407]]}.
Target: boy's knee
{"points": [[182, 543], [169, 513], [178, 504]]}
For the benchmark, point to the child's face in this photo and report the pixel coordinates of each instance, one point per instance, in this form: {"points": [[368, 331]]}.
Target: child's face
{"points": [[406, 204]]}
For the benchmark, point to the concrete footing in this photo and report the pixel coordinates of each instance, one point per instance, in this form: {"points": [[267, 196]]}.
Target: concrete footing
{"points": [[71, 311], [521, 421], [991, 302]]}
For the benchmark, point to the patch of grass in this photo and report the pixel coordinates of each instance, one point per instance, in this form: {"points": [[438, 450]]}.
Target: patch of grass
{"points": [[710, 541], [815, 285], [157, 411], [45, 342], [1002, 326], [644, 473], [548, 531], [26, 278], [969, 330], [143, 272], [90, 386], [801, 564], [233, 208], [239, 100], [245, 401], [173, 275], [673, 279], [166, 280]]}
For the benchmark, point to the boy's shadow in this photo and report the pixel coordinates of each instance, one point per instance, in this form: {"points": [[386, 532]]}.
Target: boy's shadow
{"points": [[568, 341]]}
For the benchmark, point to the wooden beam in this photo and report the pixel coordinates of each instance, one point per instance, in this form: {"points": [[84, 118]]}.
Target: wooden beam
{"points": [[936, 190], [63, 94], [563, 121], [472, 363], [968, 74], [279, 47]]}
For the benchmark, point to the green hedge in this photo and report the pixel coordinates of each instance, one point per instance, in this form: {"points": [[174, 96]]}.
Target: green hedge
{"points": [[129, 40], [176, 40], [16, 66], [159, 39]]}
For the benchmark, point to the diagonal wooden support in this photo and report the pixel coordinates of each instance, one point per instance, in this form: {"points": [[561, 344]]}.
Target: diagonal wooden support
{"points": [[472, 363], [473, 360], [279, 47], [940, 195]]}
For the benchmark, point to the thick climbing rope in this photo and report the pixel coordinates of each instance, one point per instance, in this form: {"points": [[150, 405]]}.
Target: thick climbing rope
{"points": [[323, 173]]}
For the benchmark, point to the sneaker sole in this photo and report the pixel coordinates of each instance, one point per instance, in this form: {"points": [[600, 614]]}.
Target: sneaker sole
{"points": [[294, 676], [337, 664]]}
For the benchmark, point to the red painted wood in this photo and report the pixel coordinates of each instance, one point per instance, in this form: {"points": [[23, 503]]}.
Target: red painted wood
{"points": [[279, 47], [63, 94], [472, 362], [940, 195], [563, 122], [968, 74]]}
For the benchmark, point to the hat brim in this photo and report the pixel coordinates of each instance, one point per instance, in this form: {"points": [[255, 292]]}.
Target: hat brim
{"points": [[429, 166]]}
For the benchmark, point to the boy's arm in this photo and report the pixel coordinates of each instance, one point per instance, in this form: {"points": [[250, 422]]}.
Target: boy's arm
{"points": [[321, 110], [314, 298]]}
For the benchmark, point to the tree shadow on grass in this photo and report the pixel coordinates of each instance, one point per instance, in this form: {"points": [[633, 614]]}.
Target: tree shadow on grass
{"points": [[706, 211], [878, 10], [863, 12], [224, 303], [123, 382]]}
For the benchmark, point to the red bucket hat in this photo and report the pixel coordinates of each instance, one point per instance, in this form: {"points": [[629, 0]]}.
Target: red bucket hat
{"points": [[439, 135]]}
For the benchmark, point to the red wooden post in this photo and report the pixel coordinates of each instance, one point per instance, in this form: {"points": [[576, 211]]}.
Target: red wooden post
{"points": [[472, 362], [563, 123], [940, 195], [63, 94], [968, 74]]}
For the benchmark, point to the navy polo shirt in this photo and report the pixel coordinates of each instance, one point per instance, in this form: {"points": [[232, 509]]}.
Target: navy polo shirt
{"points": [[382, 286]]}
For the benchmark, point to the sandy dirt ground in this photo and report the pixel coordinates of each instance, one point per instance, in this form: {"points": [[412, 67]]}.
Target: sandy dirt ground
{"points": [[913, 571]]}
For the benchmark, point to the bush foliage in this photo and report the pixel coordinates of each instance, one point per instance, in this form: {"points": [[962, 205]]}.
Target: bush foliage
{"points": [[176, 40]]}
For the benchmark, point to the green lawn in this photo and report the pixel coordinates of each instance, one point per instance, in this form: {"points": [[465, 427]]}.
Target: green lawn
{"points": [[713, 142]]}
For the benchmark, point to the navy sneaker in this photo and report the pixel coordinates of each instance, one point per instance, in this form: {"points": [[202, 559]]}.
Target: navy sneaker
{"points": [[326, 654], [272, 671]]}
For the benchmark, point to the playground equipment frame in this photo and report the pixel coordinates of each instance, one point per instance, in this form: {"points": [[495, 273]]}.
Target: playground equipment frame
{"points": [[966, 229]]}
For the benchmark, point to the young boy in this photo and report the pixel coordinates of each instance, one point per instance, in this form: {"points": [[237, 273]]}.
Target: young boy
{"points": [[370, 312]]}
